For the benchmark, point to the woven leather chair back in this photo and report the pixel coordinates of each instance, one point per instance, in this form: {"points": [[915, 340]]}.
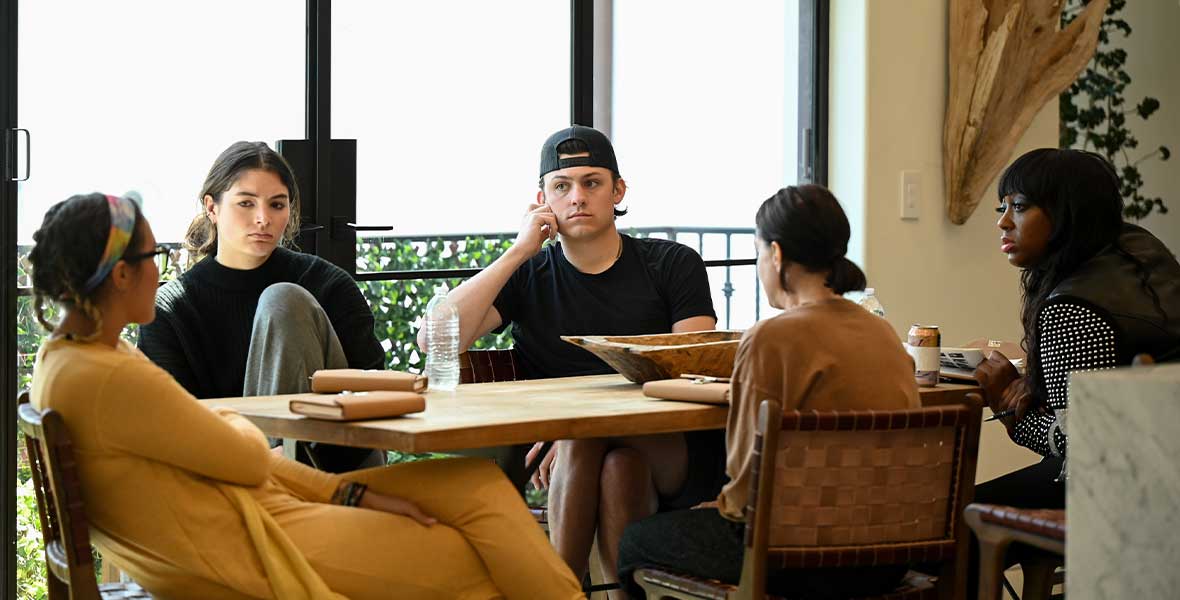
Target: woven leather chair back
{"points": [[862, 487], [486, 366]]}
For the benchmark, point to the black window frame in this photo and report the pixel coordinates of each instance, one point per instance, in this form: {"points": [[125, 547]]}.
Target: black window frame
{"points": [[8, 124]]}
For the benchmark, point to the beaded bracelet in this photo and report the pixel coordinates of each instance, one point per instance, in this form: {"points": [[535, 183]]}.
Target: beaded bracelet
{"points": [[354, 496], [349, 493]]}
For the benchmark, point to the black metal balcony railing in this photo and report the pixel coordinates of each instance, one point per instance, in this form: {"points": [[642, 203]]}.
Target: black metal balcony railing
{"points": [[395, 274], [179, 258], [693, 234]]}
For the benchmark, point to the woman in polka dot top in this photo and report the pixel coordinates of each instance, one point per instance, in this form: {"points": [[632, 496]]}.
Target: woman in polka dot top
{"points": [[1096, 292]]}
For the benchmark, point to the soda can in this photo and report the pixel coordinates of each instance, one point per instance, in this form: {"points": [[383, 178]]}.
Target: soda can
{"points": [[923, 344]]}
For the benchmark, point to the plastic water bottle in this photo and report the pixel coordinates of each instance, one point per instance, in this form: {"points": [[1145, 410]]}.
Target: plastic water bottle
{"points": [[871, 303], [442, 341]]}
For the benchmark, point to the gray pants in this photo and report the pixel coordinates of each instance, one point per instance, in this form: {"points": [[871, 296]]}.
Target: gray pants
{"points": [[291, 339]]}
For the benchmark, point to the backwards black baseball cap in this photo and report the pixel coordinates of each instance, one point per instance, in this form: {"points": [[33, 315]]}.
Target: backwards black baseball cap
{"points": [[602, 154]]}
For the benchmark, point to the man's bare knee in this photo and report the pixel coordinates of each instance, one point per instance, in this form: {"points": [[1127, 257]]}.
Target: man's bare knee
{"points": [[574, 452], [578, 461], [625, 468]]}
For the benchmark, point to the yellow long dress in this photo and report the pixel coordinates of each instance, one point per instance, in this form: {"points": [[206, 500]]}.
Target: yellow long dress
{"points": [[152, 460]]}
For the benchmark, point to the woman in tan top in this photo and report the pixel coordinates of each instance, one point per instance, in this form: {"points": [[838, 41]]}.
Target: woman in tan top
{"points": [[822, 352], [192, 503]]}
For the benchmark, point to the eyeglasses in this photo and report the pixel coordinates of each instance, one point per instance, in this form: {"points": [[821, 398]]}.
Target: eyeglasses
{"points": [[160, 250]]}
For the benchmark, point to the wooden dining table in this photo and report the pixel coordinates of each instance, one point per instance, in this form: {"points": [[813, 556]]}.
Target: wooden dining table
{"points": [[479, 415]]}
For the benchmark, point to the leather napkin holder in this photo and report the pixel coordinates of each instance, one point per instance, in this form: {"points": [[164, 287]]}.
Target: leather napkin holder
{"points": [[331, 381], [355, 406], [689, 390]]}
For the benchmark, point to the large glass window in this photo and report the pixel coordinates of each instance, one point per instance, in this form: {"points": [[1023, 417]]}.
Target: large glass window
{"points": [[449, 103], [143, 95], [704, 111]]}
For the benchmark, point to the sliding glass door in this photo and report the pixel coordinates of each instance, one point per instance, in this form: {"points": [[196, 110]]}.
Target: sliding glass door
{"points": [[134, 95]]}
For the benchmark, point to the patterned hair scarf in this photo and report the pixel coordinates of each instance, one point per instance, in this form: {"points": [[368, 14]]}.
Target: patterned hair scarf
{"points": [[122, 226]]}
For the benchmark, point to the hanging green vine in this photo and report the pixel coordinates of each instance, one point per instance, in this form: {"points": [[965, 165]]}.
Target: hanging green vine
{"points": [[1094, 111]]}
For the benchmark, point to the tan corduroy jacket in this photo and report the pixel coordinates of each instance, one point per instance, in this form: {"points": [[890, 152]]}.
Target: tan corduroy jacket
{"points": [[827, 355]]}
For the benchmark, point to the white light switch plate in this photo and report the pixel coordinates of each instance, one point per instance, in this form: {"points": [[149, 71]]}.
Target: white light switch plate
{"points": [[911, 194]]}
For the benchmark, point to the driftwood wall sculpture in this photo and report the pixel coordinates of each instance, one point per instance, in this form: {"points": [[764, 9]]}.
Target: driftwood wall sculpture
{"points": [[1007, 59]]}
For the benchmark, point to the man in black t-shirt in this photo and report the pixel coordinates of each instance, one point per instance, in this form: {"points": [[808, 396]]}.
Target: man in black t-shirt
{"points": [[595, 281]]}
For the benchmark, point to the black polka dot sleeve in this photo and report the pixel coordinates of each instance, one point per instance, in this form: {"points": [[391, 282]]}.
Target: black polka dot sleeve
{"points": [[1072, 338]]}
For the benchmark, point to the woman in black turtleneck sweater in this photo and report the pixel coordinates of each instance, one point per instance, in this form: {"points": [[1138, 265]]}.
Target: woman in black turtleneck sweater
{"points": [[252, 317]]}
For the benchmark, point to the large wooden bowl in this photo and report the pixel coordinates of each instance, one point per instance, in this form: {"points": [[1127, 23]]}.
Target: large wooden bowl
{"points": [[642, 358]]}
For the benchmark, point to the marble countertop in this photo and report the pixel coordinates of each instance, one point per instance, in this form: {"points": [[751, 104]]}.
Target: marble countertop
{"points": [[1123, 491]]}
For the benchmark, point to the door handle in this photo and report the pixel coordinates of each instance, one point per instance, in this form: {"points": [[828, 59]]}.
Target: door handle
{"points": [[28, 154], [343, 228]]}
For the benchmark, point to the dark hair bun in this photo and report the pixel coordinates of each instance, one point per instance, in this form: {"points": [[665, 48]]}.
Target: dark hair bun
{"points": [[812, 230], [846, 277]]}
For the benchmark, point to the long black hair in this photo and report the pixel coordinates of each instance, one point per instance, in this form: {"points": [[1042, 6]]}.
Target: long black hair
{"points": [[812, 230], [67, 248], [1079, 192]]}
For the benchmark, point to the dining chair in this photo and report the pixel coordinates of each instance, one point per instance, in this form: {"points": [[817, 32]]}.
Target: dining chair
{"points": [[485, 366], [853, 489], [64, 527], [488, 366], [998, 527]]}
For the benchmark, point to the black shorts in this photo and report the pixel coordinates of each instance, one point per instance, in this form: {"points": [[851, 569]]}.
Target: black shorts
{"points": [[706, 470]]}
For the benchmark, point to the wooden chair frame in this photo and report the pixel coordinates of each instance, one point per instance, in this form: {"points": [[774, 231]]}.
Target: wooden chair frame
{"points": [[949, 550], [998, 527], [64, 527]]}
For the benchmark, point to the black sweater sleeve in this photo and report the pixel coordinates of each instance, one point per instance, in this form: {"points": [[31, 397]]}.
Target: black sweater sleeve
{"points": [[159, 341]]}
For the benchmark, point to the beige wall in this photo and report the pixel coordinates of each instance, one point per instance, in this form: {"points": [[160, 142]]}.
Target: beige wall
{"points": [[929, 270], [889, 95], [1152, 52], [888, 98]]}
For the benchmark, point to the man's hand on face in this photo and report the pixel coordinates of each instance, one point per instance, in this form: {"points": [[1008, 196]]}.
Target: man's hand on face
{"points": [[539, 224]]}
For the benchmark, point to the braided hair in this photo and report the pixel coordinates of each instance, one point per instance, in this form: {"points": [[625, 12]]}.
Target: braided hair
{"points": [[68, 247]]}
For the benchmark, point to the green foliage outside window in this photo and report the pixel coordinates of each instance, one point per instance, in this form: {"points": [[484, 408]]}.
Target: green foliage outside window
{"points": [[30, 550], [398, 305]]}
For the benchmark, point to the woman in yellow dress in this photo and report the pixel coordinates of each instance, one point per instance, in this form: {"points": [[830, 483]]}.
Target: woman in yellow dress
{"points": [[192, 502]]}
